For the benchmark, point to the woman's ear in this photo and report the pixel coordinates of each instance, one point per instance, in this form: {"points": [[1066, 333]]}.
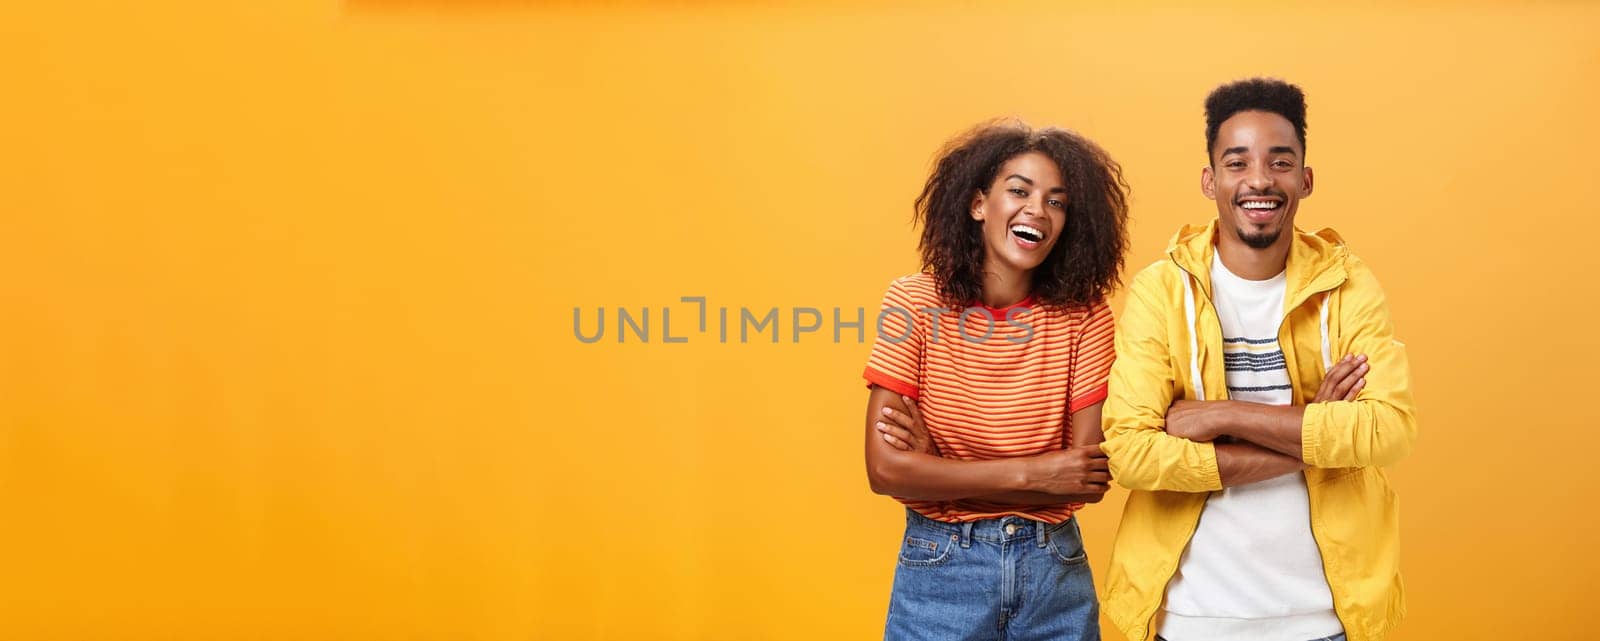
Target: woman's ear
{"points": [[977, 205]]}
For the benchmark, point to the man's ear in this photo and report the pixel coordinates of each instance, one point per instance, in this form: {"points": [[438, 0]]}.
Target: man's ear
{"points": [[1208, 183], [1306, 190], [977, 205]]}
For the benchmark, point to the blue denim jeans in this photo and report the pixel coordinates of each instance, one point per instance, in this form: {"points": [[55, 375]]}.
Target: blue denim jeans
{"points": [[1336, 637], [1008, 578]]}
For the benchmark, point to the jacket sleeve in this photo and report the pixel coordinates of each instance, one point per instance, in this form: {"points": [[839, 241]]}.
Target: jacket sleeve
{"points": [[1143, 384], [1379, 427]]}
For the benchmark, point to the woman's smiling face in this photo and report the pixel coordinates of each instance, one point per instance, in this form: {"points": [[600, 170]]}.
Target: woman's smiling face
{"points": [[1024, 213]]}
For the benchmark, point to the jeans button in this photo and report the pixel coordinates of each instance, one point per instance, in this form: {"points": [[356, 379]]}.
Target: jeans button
{"points": [[1011, 528]]}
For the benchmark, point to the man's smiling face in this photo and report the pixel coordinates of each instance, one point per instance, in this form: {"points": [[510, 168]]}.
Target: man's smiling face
{"points": [[1257, 176]]}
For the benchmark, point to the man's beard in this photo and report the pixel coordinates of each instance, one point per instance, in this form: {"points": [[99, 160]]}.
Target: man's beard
{"points": [[1260, 240]]}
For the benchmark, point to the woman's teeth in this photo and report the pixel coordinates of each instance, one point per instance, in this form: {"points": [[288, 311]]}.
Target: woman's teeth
{"points": [[1030, 234]]}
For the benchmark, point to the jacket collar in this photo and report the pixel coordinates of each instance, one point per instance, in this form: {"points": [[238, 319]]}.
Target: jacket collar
{"points": [[1316, 260]]}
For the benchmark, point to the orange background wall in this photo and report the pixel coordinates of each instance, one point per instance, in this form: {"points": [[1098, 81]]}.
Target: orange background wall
{"points": [[287, 346]]}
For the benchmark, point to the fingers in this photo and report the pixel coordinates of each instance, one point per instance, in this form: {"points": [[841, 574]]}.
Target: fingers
{"points": [[1183, 408], [1355, 375], [1095, 459], [1355, 389], [894, 436], [1341, 377], [1333, 376], [896, 431], [900, 418], [911, 407], [1097, 478], [903, 428]]}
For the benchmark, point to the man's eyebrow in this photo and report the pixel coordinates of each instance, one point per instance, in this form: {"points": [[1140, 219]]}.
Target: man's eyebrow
{"points": [[1021, 178], [1281, 150], [1235, 150]]}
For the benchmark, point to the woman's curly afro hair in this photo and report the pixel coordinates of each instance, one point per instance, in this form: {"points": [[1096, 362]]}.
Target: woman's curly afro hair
{"points": [[1085, 265]]}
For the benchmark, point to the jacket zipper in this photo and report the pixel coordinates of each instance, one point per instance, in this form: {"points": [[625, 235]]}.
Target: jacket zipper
{"points": [[1326, 571]]}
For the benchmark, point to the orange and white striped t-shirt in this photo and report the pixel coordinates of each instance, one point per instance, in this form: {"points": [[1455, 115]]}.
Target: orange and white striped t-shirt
{"points": [[1004, 394]]}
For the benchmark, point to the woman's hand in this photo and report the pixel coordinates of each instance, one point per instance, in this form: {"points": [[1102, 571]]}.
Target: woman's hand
{"points": [[1080, 472], [905, 430]]}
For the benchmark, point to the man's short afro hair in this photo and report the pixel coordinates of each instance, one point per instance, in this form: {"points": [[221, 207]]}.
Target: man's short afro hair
{"points": [[1255, 94]]}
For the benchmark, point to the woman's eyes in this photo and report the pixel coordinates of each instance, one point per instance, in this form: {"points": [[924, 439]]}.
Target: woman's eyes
{"points": [[1022, 193]]}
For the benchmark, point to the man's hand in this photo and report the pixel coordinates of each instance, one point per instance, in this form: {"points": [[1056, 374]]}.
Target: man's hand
{"points": [[1202, 421], [1198, 421], [1081, 472], [1344, 381], [905, 430]]}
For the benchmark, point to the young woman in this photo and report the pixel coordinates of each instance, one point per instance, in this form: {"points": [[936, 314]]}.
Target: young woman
{"points": [[987, 377]]}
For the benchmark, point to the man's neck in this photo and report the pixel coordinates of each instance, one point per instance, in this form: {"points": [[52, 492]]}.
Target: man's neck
{"points": [[1250, 263]]}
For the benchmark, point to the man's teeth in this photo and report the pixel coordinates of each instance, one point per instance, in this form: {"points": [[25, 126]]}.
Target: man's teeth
{"points": [[1258, 204], [1030, 233]]}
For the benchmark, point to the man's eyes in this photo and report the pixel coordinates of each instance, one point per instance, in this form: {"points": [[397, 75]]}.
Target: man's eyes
{"points": [[1277, 164]]}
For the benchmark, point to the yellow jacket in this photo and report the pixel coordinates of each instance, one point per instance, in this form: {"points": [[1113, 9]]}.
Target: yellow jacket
{"points": [[1169, 346]]}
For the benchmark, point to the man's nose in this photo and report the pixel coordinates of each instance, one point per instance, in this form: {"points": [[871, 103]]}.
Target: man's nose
{"points": [[1258, 179]]}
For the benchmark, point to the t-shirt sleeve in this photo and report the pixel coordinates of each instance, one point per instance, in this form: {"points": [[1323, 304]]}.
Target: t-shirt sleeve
{"points": [[896, 358], [1092, 357]]}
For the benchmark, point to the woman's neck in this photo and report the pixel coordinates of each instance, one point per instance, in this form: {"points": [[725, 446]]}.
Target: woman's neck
{"points": [[1005, 287]]}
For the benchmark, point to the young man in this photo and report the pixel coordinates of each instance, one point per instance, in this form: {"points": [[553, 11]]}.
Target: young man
{"points": [[1258, 391]]}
